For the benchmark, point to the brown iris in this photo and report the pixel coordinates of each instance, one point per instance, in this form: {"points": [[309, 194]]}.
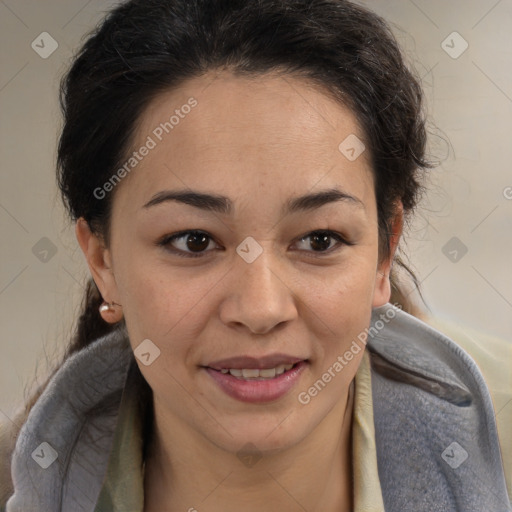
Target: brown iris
{"points": [[197, 242], [320, 242]]}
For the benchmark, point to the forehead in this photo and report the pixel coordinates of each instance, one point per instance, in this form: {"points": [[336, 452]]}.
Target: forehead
{"points": [[270, 131]]}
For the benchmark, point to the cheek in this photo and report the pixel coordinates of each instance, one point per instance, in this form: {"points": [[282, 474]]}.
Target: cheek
{"points": [[346, 310], [167, 306], [168, 311], [351, 282], [344, 303]]}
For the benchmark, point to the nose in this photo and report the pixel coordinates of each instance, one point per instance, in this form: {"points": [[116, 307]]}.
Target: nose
{"points": [[259, 298]]}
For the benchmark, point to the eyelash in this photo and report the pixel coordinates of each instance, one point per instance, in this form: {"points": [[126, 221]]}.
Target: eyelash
{"points": [[166, 241]]}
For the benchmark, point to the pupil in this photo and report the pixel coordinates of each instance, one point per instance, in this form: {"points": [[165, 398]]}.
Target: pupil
{"points": [[197, 241], [320, 241]]}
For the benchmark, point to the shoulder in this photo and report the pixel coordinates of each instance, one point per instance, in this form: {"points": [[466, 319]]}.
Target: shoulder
{"points": [[76, 416], [405, 347], [453, 362], [432, 406], [493, 356]]}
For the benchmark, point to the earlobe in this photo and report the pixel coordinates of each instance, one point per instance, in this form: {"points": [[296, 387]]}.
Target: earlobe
{"points": [[98, 260], [382, 291]]}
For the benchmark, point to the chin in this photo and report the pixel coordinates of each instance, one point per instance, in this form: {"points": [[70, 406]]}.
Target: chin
{"points": [[274, 433]]}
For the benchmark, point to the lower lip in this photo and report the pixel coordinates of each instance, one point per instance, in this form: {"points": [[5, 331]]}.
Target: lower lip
{"points": [[258, 391]]}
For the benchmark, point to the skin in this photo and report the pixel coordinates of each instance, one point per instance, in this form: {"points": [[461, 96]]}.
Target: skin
{"points": [[258, 141]]}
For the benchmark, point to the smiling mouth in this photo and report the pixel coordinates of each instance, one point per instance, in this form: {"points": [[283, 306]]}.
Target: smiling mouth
{"points": [[271, 381], [257, 374]]}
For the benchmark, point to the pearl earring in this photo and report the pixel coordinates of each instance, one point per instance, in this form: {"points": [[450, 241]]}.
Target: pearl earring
{"points": [[105, 306], [108, 307]]}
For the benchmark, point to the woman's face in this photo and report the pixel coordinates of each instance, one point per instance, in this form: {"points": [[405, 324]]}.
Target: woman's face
{"points": [[256, 286]]}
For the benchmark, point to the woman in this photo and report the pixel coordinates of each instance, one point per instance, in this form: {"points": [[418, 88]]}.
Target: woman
{"points": [[239, 174]]}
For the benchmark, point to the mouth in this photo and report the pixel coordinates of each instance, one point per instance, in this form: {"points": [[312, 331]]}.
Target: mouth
{"points": [[257, 374], [257, 380]]}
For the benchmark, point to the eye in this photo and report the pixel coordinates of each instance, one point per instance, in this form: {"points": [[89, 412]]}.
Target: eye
{"points": [[188, 244], [321, 241], [194, 243]]}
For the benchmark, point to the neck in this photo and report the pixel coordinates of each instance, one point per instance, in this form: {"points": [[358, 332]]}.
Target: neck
{"points": [[314, 475]]}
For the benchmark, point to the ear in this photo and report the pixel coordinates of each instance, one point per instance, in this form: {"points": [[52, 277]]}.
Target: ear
{"points": [[99, 260], [382, 291]]}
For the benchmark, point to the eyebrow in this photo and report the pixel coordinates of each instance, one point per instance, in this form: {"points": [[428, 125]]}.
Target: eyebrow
{"points": [[222, 204]]}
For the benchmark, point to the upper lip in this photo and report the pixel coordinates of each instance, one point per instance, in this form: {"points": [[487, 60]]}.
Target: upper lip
{"points": [[247, 362]]}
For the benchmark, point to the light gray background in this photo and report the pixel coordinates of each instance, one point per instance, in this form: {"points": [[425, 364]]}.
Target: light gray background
{"points": [[470, 194]]}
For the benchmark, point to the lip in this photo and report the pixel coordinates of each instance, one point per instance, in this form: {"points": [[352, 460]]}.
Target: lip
{"points": [[251, 363], [257, 391]]}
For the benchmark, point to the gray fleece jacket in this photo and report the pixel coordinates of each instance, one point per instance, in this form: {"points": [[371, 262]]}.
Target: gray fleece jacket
{"points": [[437, 444]]}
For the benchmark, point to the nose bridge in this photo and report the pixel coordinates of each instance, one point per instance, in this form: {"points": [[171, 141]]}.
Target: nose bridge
{"points": [[259, 299], [259, 275]]}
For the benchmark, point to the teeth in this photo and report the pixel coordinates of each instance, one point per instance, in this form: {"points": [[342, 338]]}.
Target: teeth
{"points": [[268, 374], [250, 374], [254, 373]]}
